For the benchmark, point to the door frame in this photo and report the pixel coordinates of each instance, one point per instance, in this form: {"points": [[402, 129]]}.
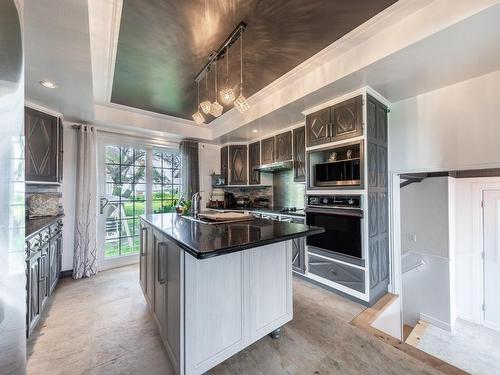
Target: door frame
{"points": [[103, 139], [495, 187]]}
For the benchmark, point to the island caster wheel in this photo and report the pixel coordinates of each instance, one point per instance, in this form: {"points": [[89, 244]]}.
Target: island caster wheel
{"points": [[276, 334]]}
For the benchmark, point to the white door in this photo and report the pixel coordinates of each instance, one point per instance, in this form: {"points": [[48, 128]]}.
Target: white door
{"points": [[491, 243], [134, 179]]}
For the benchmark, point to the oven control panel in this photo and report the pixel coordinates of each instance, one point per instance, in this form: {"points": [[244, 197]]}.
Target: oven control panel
{"points": [[344, 201]]}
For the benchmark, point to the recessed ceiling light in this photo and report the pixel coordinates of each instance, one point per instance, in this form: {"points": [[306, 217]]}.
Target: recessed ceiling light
{"points": [[48, 84], [255, 131]]}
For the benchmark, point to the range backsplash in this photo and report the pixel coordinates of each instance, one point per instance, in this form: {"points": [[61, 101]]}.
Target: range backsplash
{"points": [[42, 189], [252, 192], [286, 192]]}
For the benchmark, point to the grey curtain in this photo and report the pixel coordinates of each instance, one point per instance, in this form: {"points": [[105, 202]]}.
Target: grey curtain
{"points": [[190, 168]]}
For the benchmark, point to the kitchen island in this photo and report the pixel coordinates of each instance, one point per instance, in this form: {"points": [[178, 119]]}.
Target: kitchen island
{"points": [[214, 289]]}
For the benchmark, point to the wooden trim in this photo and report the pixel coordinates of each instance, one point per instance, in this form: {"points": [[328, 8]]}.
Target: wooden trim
{"points": [[369, 315]]}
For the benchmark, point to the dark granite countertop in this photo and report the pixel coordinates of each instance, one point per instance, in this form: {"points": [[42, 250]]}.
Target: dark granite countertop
{"points": [[37, 224], [207, 240]]}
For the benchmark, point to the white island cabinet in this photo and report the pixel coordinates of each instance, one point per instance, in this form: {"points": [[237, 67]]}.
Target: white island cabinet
{"points": [[209, 309]]}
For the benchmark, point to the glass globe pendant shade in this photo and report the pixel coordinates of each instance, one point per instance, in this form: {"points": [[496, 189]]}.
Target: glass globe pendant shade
{"points": [[206, 106], [241, 104], [227, 95], [216, 109], [198, 118]]}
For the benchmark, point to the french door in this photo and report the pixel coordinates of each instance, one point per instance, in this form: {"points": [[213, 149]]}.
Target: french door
{"points": [[134, 179], [491, 243]]}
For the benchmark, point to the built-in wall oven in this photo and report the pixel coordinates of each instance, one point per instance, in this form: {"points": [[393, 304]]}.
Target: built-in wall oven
{"points": [[341, 216]]}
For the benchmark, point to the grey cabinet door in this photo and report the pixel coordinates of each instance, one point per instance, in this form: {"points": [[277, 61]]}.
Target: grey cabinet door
{"points": [[267, 151], [144, 238], [298, 255], [54, 261], [253, 161], [339, 273], [33, 293], [224, 163], [347, 119], [238, 165], [44, 287], [60, 150], [41, 146], [318, 127], [283, 145], [299, 154]]}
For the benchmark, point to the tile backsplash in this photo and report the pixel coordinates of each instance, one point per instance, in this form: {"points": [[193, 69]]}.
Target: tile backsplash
{"points": [[42, 189]]}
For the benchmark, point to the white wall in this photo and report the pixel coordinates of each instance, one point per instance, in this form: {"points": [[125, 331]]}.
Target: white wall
{"points": [[209, 163], [455, 127], [68, 196], [424, 217]]}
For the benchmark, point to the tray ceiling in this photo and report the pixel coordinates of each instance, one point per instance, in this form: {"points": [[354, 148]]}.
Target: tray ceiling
{"points": [[162, 45]]}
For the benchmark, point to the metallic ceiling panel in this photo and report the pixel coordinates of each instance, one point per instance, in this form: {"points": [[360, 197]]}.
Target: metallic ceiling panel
{"points": [[164, 43]]}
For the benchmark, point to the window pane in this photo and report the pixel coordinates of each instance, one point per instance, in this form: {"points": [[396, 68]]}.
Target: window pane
{"points": [[157, 159], [112, 154], [127, 156], [112, 248], [139, 174], [140, 157]]}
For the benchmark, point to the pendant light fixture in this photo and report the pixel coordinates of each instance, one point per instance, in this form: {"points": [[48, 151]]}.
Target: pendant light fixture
{"points": [[241, 102], [206, 105], [198, 117], [216, 109], [227, 94]]}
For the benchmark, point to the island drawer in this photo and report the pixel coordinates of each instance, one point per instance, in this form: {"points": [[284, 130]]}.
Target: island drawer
{"points": [[339, 273]]}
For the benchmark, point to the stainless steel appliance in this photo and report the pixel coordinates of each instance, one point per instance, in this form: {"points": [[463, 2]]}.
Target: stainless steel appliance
{"points": [[341, 216], [336, 167]]}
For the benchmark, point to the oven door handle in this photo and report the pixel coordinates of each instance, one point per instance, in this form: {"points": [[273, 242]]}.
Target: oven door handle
{"points": [[337, 211]]}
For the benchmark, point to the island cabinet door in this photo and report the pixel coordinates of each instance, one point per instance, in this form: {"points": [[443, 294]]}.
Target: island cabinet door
{"points": [[160, 279], [142, 256], [150, 268]]}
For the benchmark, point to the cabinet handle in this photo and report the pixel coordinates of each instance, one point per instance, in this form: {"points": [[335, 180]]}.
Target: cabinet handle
{"points": [[144, 240], [160, 267], [41, 275]]}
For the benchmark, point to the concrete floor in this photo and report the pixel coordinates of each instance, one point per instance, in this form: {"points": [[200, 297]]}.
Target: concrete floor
{"points": [[471, 347], [102, 326]]}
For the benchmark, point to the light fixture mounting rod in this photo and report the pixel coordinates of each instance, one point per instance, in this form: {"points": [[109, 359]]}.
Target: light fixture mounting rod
{"points": [[221, 52]]}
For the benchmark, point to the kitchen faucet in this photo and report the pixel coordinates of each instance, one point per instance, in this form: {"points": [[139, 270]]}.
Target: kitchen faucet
{"points": [[195, 203]]}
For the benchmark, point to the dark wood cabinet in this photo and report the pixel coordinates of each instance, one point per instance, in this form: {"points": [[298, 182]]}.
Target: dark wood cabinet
{"points": [[55, 252], [43, 147], [341, 121], [224, 163], [283, 145], [267, 151], [253, 161], [318, 127], [238, 165], [347, 119], [299, 154], [44, 288]]}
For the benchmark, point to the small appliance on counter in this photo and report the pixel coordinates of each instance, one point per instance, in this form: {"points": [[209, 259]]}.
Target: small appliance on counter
{"points": [[216, 198], [261, 202], [229, 200]]}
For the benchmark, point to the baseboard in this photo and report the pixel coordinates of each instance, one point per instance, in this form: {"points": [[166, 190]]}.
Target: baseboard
{"points": [[436, 322], [64, 274]]}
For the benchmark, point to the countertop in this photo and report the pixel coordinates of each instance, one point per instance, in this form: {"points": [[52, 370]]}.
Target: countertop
{"points": [[208, 240], [37, 224]]}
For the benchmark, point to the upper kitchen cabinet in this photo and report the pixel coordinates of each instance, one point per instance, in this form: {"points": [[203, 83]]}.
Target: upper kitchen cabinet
{"points": [[224, 163], [43, 147], [318, 127], [253, 161], [238, 166], [283, 145], [267, 151], [341, 121], [299, 154], [347, 119]]}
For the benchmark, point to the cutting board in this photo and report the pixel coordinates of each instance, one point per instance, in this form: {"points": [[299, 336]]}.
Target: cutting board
{"points": [[226, 216]]}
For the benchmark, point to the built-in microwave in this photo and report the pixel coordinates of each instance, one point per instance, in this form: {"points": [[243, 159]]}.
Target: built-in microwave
{"points": [[336, 166]]}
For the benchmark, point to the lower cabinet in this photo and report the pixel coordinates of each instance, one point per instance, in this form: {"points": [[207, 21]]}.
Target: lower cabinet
{"points": [[339, 273], [43, 266], [298, 255], [144, 238]]}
